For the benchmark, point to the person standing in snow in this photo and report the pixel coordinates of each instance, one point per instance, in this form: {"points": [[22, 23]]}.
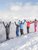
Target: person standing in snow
{"points": [[35, 25], [17, 29], [7, 27], [28, 26], [21, 24]]}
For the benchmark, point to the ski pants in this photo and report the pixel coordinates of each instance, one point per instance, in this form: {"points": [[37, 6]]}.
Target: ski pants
{"points": [[17, 32], [21, 31], [27, 29], [7, 36]]}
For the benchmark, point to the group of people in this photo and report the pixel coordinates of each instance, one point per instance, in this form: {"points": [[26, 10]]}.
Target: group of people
{"points": [[19, 25]]}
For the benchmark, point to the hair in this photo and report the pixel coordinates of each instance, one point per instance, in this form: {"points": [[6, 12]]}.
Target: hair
{"points": [[35, 20]]}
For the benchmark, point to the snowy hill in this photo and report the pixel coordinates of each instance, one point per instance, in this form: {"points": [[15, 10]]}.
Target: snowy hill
{"points": [[24, 42], [12, 33]]}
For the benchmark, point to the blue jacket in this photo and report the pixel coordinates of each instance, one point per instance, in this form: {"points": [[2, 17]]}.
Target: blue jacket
{"points": [[21, 25]]}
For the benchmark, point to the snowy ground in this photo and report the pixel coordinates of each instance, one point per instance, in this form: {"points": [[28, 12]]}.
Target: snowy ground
{"points": [[12, 33], [24, 42], [28, 42]]}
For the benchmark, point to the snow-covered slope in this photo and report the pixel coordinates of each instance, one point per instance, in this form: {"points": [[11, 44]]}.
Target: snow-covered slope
{"points": [[12, 33], [24, 42]]}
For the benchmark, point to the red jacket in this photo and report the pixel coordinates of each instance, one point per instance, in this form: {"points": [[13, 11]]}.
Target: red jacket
{"points": [[28, 24]]}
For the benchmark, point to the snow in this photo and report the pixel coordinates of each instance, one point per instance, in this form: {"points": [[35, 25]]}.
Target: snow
{"points": [[24, 42], [12, 33], [2, 33]]}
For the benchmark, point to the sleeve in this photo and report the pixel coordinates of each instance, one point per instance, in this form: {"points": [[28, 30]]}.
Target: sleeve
{"points": [[24, 21]]}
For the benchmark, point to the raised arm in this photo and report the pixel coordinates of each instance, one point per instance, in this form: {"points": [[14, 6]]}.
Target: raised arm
{"points": [[4, 24], [34, 21], [24, 21], [37, 21], [9, 23], [19, 22], [15, 23]]}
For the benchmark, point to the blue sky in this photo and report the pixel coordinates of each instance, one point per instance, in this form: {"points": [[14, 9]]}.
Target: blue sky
{"points": [[5, 3], [17, 8]]}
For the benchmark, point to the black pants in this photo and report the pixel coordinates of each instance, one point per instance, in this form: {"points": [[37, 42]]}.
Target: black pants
{"points": [[21, 31], [7, 36], [27, 29]]}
